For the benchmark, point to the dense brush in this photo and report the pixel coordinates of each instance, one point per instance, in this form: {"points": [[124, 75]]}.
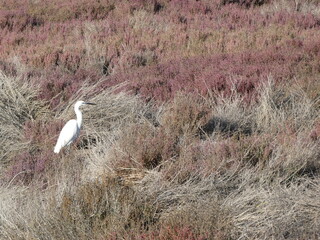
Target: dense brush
{"points": [[206, 125]]}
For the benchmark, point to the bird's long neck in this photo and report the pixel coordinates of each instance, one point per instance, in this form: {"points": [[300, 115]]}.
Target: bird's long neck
{"points": [[79, 117]]}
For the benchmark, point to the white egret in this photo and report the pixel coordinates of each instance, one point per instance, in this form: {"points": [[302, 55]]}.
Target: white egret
{"points": [[71, 130]]}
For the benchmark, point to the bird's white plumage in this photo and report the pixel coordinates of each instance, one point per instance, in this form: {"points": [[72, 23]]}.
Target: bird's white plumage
{"points": [[71, 130], [67, 135]]}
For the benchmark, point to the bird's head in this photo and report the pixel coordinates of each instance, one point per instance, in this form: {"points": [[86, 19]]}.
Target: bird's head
{"points": [[80, 103]]}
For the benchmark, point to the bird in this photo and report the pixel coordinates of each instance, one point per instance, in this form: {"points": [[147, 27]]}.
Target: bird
{"points": [[71, 130]]}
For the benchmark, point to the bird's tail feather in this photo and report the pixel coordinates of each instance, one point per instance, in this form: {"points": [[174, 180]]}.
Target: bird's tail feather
{"points": [[57, 149]]}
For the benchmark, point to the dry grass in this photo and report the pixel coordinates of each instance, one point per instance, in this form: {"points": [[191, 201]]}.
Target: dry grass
{"points": [[18, 105], [195, 168], [278, 211]]}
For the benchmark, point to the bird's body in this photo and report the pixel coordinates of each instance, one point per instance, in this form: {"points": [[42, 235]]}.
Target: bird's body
{"points": [[68, 134], [71, 130]]}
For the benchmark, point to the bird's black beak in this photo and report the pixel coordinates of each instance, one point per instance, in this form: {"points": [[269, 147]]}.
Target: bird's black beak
{"points": [[90, 103]]}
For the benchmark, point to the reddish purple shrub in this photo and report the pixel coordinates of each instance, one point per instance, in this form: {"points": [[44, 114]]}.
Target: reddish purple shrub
{"points": [[30, 166], [33, 163], [52, 22], [58, 87], [18, 20], [8, 68], [315, 133], [165, 233], [246, 3], [172, 233], [40, 132], [198, 75], [211, 15], [244, 71], [153, 6], [153, 69]]}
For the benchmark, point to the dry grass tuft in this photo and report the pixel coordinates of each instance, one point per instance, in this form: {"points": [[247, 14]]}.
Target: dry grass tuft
{"points": [[18, 106], [276, 211]]}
